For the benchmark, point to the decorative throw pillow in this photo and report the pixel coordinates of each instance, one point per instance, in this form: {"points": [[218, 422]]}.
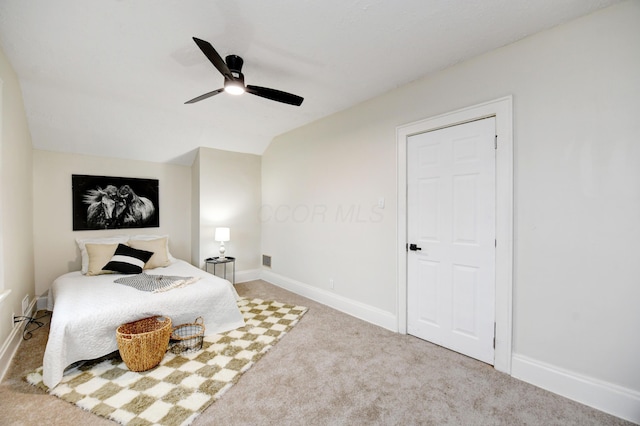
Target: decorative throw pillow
{"points": [[82, 242], [99, 255], [149, 237], [127, 260], [158, 247]]}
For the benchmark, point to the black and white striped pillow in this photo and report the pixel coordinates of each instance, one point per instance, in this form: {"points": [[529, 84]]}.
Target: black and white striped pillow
{"points": [[127, 260]]}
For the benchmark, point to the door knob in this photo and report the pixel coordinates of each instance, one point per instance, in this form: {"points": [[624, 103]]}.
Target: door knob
{"points": [[414, 247]]}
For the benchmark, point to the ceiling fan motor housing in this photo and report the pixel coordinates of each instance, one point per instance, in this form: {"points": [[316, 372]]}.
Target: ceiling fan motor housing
{"points": [[236, 86], [234, 62]]}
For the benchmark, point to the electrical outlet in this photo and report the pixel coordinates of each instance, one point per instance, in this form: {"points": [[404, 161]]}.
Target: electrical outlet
{"points": [[331, 283], [13, 320]]}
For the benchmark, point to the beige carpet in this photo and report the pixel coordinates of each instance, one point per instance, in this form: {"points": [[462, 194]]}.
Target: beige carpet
{"points": [[333, 369]]}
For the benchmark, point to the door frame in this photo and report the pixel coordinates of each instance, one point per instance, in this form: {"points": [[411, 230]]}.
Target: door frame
{"points": [[502, 110]]}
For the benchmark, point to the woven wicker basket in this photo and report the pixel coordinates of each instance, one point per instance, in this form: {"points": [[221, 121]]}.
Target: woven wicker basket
{"points": [[188, 337], [143, 343]]}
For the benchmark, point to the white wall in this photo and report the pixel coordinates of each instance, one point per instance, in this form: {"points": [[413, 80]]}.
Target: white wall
{"points": [[320, 190], [576, 92], [17, 231], [56, 251], [228, 196]]}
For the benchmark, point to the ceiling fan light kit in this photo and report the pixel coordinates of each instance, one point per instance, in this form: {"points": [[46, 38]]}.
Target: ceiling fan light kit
{"points": [[234, 87], [231, 69]]}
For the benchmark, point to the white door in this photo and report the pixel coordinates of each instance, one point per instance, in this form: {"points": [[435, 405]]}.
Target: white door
{"points": [[451, 236]]}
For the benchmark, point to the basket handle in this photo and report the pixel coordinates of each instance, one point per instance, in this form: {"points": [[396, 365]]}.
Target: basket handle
{"points": [[199, 321]]}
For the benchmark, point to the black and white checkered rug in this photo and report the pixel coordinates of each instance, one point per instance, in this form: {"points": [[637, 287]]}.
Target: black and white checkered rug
{"points": [[183, 385]]}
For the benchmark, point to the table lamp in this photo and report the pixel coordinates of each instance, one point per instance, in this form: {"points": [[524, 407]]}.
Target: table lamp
{"points": [[222, 235]]}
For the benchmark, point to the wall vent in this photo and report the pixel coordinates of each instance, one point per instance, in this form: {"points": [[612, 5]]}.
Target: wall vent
{"points": [[25, 306], [266, 260]]}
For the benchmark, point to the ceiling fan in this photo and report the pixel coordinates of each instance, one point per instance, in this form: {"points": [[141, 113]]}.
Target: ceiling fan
{"points": [[231, 69]]}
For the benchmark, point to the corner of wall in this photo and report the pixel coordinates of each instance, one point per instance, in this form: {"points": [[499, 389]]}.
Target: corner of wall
{"points": [[195, 212], [348, 306]]}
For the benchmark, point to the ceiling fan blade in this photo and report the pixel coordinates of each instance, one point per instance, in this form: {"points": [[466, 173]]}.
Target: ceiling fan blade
{"points": [[214, 57], [275, 95], [205, 96]]}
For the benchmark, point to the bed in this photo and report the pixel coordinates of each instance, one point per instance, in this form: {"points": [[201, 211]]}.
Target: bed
{"points": [[88, 307]]}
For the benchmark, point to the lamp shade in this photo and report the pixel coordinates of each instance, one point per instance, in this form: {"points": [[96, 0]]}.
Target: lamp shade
{"points": [[222, 234]]}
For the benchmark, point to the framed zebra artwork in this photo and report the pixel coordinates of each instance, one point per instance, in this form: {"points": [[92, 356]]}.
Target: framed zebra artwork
{"points": [[106, 202]]}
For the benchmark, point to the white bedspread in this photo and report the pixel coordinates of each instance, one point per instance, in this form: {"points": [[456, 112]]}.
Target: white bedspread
{"points": [[87, 310]]}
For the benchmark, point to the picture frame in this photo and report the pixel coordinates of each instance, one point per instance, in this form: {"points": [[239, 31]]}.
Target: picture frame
{"points": [[109, 202]]}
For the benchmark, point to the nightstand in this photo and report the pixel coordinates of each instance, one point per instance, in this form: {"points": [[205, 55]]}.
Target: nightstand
{"points": [[215, 261]]}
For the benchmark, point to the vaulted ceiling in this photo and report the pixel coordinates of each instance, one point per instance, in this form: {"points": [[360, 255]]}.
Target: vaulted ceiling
{"points": [[110, 77]]}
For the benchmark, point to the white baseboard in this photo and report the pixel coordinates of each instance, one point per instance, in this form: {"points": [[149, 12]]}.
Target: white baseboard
{"points": [[613, 399], [249, 275], [10, 346], [607, 397], [351, 307], [8, 350]]}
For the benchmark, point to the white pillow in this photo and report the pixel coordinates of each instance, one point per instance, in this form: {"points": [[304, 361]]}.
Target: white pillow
{"points": [[149, 237], [116, 239]]}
